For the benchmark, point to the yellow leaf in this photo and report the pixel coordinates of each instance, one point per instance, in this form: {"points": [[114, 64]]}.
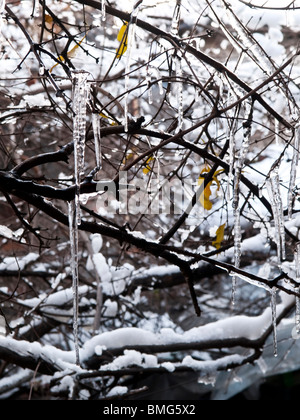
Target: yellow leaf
{"points": [[123, 39], [129, 156], [148, 168], [71, 54], [220, 236], [205, 195]]}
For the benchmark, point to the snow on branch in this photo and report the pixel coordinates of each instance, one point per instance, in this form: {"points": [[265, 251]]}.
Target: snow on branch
{"points": [[136, 347]]}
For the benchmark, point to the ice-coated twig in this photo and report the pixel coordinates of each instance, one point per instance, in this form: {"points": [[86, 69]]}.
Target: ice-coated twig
{"points": [[294, 168], [249, 44]]}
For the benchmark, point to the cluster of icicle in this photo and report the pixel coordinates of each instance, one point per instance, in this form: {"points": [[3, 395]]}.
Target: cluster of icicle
{"points": [[237, 152]]}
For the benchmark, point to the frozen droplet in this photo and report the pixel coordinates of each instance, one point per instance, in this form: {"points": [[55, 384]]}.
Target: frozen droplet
{"points": [[42, 71]]}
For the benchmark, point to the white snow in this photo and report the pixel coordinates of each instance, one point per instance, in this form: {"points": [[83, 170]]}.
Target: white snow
{"points": [[117, 391], [15, 264]]}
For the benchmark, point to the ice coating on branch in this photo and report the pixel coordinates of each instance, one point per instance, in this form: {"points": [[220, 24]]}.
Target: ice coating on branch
{"points": [[249, 44], [273, 185], [81, 90]]}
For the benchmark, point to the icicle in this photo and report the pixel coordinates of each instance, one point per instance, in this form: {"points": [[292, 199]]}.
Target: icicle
{"points": [[297, 289], [276, 127], [149, 80], [2, 8], [273, 185], [237, 251], [131, 39], [238, 163], [274, 318], [179, 80], [81, 89], [103, 10], [176, 19], [294, 168], [97, 137], [73, 229], [153, 72], [232, 151]]}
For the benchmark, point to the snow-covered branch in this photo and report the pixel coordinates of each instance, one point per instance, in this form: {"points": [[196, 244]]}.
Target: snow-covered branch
{"points": [[148, 168]]}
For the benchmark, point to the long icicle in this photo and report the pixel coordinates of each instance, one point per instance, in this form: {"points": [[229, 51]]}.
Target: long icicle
{"points": [[80, 91], [297, 288], [238, 164], [274, 319], [96, 121], [294, 168], [73, 229], [273, 185], [130, 41]]}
